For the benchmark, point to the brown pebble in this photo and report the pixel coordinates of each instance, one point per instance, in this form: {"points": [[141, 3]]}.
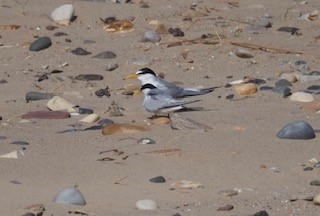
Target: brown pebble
{"points": [[122, 128], [225, 208], [246, 88], [46, 115], [161, 120], [312, 106]]}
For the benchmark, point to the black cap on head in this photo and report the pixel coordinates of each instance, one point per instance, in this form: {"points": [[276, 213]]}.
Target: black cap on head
{"points": [[148, 86], [146, 71]]}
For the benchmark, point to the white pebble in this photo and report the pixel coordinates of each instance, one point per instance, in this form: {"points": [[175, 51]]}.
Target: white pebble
{"points": [[301, 97], [90, 118], [146, 204], [63, 14]]}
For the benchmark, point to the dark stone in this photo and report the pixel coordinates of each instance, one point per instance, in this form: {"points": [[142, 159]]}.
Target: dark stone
{"points": [[85, 111], [105, 55], [176, 32], [104, 122], [307, 169], [284, 90], [33, 96], [43, 77], [315, 183], [40, 44], [261, 213], [316, 165], [95, 127], [230, 96], [265, 88], [297, 130], [291, 30], [102, 92], [282, 82], [19, 143], [80, 51], [314, 87], [257, 81], [89, 77], [157, 179], [58, 34], [56, 71]]}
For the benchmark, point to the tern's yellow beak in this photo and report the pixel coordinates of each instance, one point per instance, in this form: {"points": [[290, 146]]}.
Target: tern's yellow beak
{"points": [[131, 76], [137, 92]]}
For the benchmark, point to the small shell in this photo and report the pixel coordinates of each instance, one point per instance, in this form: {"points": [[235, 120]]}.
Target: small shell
{"points": [[119, 26], [186, 184]]}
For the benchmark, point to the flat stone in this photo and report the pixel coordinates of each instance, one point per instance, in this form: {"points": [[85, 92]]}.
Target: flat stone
{"points": [[89, 77], [228, 193], [246, 88], [105, 55], [80, 51], [146, 204], [33, 96], [315, 183], [151, 36], [301, 97], [46, 115], [243, 53], [157, 179], [58, 103]]}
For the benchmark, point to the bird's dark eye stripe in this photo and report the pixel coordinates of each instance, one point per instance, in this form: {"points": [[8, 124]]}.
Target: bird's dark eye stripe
{"points": [[146, 71]]}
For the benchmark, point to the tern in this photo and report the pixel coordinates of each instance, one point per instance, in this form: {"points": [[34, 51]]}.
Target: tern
{"points": [[147, 76]]}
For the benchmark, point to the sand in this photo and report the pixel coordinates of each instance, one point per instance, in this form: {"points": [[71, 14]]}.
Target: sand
{"points": [[240, 152]]}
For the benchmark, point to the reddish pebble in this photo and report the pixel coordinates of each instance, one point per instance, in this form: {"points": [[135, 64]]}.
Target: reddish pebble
{"points": [[46, 115]]}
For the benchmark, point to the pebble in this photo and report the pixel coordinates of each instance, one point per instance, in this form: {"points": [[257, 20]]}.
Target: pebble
{"points": [[265, 88], [89, 77], [308, 168], [290, 77], [284, 90], [316, 165], [58, 103], [297, 130], [63, 14], [112, 66], [90, 118], [59, 34], [46, 115], [105, 55], [3, 138], [261, 213], [102, 92], [146, 204], [245, 88], [40, 44], [104, 122], [145, 141], [70, 196], [82, 111], [33, 96], [225, 208], [316, 199], [176, 32], [301, 97], [291, 30], [80, 51], [282, 82], [228, 193], [315, 183], [87, 41], [19, 143], [243, 53], [157, 179], [151, 36], [13, 154]]}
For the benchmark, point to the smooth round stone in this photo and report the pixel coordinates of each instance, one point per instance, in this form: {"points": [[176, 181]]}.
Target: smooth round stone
{"points": [[290, 77], [246, 88], [33, 96], [80, 51], [58, 103], [315, 183], [40, 44], [104, 122], [90, 118], [243, 53], [63, 14], [70, 196], [151, 36], [85, 111], [157, 179], [112, 66], [282, 82], [284, 90], [105, 55], [297, 130], [146, 204], [145, 141], [316, 165], [301, 97], [316, 199]]}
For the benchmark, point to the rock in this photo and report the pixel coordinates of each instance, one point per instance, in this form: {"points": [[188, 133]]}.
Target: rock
{"points": [[228, 193], [308, 168], [284, 90], [297, 130], [246, 88], [301, 97], [122, 128], [316, 199], [282, 82], [315, 183], [290, 77], [101, 92], [105, 55], [225, 208], [316, 165], [104, 122], [265, 88], [45, 114], [112, 66], [157, 179], [176, 32], [13, 155], [80, 51], [146, 204], [63, 14], [70, 196], [89, 77], [19, 143], [58, 103], [145, 141], [151, 36], [243, 53], [82, 111], [261, 213], [32, 96], [90, 118], [291, 30], [161, 120], [186, 185], [40, 44]]}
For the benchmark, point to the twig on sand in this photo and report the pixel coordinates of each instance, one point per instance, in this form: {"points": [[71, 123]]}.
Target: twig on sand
{"points": [[57, 87], [118, 181]]}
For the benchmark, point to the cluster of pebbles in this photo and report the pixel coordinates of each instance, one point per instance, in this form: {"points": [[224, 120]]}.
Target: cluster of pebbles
{"points": [[59, 108]]}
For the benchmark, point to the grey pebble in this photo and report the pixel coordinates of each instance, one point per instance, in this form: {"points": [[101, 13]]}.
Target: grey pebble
{"points": [[316, 165], [85, 111], [145, 141], [87, 41], [228, 192], [19, 143], [3, 138], [265, 88], [261, 213], [70, 196], [307, 168], [284, 90], [315, 183], [15, 182], [80, 51], [157, 179], [95, 127], [40, 44], [112, 66], [282, 82], [151, 36], [314, 88], [89, 77], [104, 122], [105, 55], [297, 130], [33, 96]]}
